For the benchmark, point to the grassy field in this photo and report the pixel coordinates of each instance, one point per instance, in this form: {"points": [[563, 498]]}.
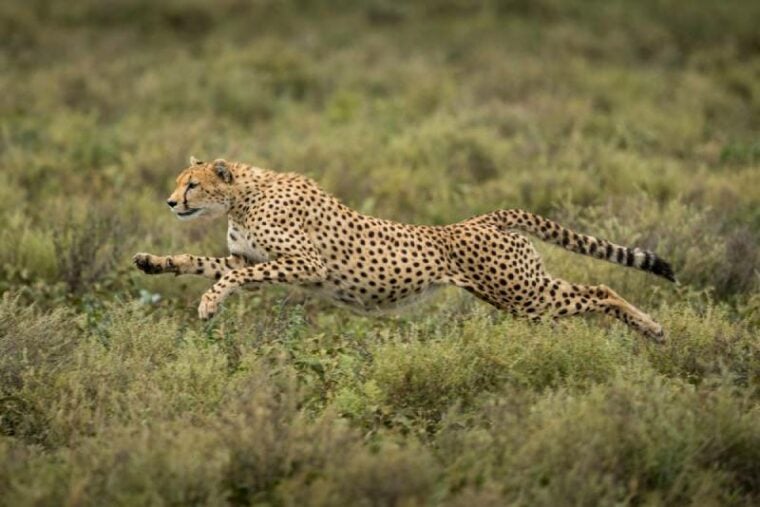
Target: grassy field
{"points": [[638, 122]]}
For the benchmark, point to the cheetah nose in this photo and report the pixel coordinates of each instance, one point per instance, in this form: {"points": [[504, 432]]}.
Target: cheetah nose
{"points": [[171, 202]]}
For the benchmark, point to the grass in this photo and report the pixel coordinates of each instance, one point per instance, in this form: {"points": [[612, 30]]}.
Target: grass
{"points": [[633, 121]]}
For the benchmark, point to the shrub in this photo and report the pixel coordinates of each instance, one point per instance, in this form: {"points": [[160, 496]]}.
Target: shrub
{"points": [[88, 251], [635, 440], [423, 377], [34, 349]]}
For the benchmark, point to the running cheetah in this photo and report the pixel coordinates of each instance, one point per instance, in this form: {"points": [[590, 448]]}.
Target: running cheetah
{"points": [[283, 228]]}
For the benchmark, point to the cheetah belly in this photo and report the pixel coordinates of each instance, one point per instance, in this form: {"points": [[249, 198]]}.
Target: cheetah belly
{"points": [[370, 302]]}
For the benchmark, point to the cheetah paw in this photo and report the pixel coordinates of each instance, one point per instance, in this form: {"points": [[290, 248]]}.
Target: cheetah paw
{"points": [[656, 334], [147, 263], [208, 307]]}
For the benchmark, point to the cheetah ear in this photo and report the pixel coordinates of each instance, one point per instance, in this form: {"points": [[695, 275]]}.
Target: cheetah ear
{"points": [[195, 161], [222, 170]]}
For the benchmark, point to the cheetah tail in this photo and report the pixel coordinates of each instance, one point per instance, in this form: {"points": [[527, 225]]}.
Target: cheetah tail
{"points": [[552, 232]]}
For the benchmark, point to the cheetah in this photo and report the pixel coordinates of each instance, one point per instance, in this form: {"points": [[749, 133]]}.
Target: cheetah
{"points": [[283, 228]]}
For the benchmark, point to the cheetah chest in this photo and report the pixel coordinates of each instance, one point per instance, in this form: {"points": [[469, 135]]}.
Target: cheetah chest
{"points": [[241, 243]]}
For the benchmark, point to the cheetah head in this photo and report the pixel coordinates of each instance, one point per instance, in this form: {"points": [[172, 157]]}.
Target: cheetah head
{"points": [[202, 190]]}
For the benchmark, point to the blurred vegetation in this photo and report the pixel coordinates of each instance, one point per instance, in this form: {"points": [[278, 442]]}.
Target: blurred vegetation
{"points": [[634, 121]]}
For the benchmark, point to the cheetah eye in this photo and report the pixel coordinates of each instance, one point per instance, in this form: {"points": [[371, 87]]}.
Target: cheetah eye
{"points": [[192, 184]]}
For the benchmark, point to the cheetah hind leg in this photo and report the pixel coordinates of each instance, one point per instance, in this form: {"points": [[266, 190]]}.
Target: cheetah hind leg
{"points": [[573, 299], [560, 299]]}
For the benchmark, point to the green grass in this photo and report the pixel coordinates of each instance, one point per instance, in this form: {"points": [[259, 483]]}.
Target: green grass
{"points": [[633, 121]]}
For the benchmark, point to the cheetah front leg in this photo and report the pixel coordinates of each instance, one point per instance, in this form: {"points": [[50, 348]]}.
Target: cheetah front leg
{"points": [[288, 270], [185, 264]]}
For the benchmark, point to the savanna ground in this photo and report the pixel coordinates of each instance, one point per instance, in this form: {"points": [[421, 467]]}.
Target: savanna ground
{"points": [[634, 121]]}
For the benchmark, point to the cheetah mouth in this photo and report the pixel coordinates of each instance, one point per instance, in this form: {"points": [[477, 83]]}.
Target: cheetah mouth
{"points": [[189, 213]]}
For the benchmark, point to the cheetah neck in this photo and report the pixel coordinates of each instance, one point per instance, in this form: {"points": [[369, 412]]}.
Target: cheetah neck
{"points": [[246, 190]]}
